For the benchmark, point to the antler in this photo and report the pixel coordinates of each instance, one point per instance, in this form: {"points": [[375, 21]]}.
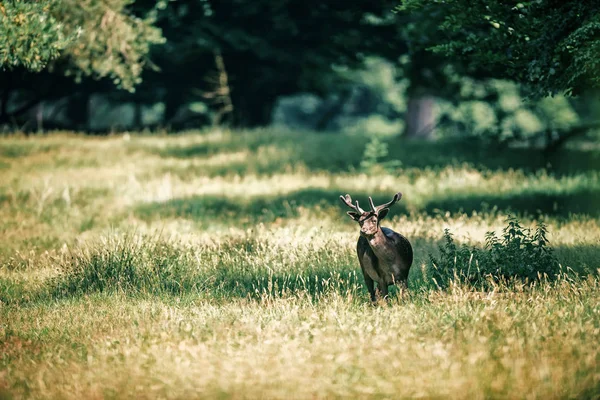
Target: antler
{"points": [[377, 209], [348, 201]]}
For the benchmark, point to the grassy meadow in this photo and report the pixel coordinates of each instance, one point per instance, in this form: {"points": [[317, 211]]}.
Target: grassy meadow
{"points": [[221, 264]]}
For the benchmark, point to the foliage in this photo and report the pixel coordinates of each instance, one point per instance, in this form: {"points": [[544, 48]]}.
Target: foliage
{"points": [[111, 41], [31, 37], [375, 153], [261, 50], [311, 41], [547, 45], [78, 38], [494, 111], [254, 52], [518, 253]]}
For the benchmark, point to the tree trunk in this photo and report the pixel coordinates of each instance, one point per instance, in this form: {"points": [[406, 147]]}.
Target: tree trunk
{"points": [[220, 94], [420, 118]]}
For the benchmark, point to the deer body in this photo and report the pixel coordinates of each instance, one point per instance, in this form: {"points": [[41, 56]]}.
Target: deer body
{"points": [[385, 256]]}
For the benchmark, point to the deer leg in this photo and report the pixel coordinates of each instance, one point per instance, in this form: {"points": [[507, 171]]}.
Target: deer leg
{"points": [[367, 261], [370, 286], [383, 290]]}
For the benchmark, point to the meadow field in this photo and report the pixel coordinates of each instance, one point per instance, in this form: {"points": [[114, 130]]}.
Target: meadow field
{"points": [[221, 264]]}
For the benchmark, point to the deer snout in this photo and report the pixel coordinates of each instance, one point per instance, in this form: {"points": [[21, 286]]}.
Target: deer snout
{"points": [[368, 230]]}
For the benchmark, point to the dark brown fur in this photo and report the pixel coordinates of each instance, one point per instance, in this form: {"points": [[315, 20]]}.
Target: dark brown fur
{"points": [[385, 256]]}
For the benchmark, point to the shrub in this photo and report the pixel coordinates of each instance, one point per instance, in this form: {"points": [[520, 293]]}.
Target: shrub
{"points": [[518, 253], [376, 151]]}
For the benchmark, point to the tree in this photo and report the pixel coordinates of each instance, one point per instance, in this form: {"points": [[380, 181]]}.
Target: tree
{"points": [[112, 42], [51, 44], [551, 46], [427, 73], [31, 38], [90, 37], [267, 48]]}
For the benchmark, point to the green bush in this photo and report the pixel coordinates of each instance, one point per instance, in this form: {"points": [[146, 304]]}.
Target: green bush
{"points": [[376, 151], [518, 253]]}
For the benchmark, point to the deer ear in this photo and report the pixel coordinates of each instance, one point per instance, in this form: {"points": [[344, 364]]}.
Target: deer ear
{"points": [[355, 216], [383, 213]]}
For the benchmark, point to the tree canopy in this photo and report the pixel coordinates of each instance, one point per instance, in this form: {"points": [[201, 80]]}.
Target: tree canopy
{"points": [[203, 61], [31, 38], [551, 46], [270, 48], [77, 38]]}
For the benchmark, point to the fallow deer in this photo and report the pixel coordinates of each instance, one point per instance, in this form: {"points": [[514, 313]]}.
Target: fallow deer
{"points": [[385, 256]]}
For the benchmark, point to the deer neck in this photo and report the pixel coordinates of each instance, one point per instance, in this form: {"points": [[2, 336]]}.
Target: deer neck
{"points": [[382, 246]]}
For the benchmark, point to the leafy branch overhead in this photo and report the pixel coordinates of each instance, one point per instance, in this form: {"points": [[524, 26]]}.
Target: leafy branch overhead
{"points": [[31, 36], [101, 39], [551, 46]]}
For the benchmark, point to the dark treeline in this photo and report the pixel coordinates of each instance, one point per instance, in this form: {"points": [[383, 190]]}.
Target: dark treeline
{"points": [[180, 64], [229, 60]]}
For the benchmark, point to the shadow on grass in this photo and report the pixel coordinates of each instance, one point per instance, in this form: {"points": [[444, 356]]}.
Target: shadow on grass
{"points": [[313, 279], [584, 259], [224, 283], [20, 149], [262, 209], [449, 152], [242, 211], [344, 152], [242, 140], [531, 202], [238, 268]]}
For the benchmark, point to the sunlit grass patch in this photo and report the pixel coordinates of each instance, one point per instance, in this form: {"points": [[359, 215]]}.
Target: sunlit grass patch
{"points": [[222, 264]]}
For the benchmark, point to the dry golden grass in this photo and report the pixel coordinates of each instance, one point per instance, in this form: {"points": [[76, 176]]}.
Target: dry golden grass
{"points": [[270, 302], [538, 344]]}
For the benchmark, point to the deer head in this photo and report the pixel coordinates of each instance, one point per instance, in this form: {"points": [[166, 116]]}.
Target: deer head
{"points": [[369, 220]]}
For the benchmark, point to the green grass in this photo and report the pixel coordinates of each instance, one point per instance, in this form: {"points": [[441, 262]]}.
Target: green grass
{"points": [[221, 264]]}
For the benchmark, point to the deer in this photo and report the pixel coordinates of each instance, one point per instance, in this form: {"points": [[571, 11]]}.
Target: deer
{"points": [[385, 256]]}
